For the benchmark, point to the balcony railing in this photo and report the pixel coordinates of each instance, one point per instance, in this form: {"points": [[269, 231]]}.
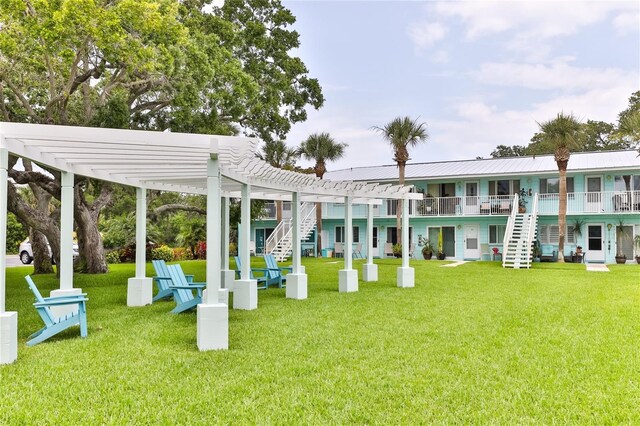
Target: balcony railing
{"points": [[592, 202], [482, 205]]}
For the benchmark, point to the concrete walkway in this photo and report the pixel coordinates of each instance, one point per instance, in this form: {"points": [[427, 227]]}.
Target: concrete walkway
{"points": [[597, 267], [454, 264]]}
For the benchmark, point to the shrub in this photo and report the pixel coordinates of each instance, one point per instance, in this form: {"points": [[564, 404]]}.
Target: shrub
{"points": [[162, 253], [201, 250], [181, 253], [233, 249], [113, 257]]}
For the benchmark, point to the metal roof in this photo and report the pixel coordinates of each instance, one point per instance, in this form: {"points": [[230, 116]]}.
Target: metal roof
{"points": [[176, 162], [512, 166]]}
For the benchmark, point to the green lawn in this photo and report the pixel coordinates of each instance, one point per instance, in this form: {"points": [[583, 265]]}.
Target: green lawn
{"points": [[470, 344]]}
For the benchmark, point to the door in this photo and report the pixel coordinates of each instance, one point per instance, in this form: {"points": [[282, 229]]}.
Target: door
{"points": [[471, 204], [471, 244], [376, 250], [595, 243], [259, 241], [593, 203]]}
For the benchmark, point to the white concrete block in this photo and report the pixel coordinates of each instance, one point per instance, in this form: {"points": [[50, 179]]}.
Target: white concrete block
{"points": [[213, 326], [223, 295], [65, 309], [296, 286], [245, 294], [139, 291], [406, 277], [369, 272], [8, 337], [228, 278], [347, 280]]}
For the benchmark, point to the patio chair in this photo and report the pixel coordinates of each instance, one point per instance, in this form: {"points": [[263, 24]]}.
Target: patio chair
{"points": [[54, 324], [339, 250], [484, 251], [183, 290], [485, 208], [548, 253], [275, 273], [262, 280], [357, 251], [388, 249], [505, 207], [162, 279]]}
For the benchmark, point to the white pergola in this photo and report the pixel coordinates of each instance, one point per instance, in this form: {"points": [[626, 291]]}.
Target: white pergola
{"points": [[219, 167]]}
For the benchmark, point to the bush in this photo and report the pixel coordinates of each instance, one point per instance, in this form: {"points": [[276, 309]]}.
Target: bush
{"points": [[113, 257], [201, 250], [233, 249], [181, 253], [162, 253]]}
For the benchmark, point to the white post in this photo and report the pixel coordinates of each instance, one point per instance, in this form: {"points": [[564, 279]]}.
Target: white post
{"points": [[245, 290], [140, 288], [213, 316], [370, 269], [228, 276], [8, 320], [66, 246], [405, 274], [297, 280], [348, 277]]}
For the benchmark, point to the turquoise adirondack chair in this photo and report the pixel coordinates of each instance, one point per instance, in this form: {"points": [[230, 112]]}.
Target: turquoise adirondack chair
{"points": [[183, 290], [275, 273], [54, 324], [262, 280], [162, 280]]}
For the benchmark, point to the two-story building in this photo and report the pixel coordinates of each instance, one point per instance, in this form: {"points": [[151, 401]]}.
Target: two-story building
{"points": [[468, 205]]}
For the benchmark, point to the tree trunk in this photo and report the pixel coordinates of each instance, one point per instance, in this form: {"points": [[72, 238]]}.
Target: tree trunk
{"points": [[401, 167], [319, 226], [91, 257], [562, 210], [41, 256], [278, 211]]}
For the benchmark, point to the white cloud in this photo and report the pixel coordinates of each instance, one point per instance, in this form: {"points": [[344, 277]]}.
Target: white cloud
{"points": [[559, 75], [627, 22], [425, 34]]}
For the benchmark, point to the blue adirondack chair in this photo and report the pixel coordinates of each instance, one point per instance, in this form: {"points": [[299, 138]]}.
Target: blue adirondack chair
{"points": [[54, 324], [275, 272], [183, 290], [262, 279], [162, 280]]}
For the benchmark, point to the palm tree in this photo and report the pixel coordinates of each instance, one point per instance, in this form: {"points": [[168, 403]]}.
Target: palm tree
{"points": [[279, 155], [321, 147], [561, 135], [402, 133]]}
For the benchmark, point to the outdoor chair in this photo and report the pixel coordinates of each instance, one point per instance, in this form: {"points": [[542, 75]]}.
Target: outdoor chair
{"points": [[183, 290], [505, 207], [388, 249], [54, 324], [274, 272], [339, 250], [496, 253], [162, 280], [262, 280], [485, 208], [357, 251], [484, 251], [548, 253]]}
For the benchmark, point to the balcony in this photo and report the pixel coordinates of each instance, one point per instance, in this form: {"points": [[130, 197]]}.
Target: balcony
{"points": [[619, 202]]}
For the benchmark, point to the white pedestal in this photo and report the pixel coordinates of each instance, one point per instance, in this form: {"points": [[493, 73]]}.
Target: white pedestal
{"points": [[213, 327], [406, 277], [369, 272], [296, 286], [223, 296], [245, 294], [139, 291], [65, 309], [8, 337], [347, 280], [228, 278]]}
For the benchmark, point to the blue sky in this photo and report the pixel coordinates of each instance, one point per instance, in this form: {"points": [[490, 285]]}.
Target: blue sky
{"points": [[478, 73]]}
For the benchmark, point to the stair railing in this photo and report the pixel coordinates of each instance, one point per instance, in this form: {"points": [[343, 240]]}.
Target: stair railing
{"points": [[509, 229], [533, 222]]}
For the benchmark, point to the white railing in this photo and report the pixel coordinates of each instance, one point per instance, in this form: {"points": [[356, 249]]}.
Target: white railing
{"points": [[533, 222], [489, 205], [283, 230], [592, 202], [509, 230]]}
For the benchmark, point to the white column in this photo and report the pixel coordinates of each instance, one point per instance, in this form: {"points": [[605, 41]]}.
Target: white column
{"points": [[228, 276], [140, 288], [297, 280], [370, 269], [405, 274], [8, 320], [348, 277], [66, 246], [245, 290], [213, 316]]}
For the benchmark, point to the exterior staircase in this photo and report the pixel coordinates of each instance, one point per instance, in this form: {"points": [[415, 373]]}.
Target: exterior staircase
{"points": [[280, 242], [519, 237]]}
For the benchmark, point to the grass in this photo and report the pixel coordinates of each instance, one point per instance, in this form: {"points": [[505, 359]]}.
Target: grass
{"points": [[470, 344]]}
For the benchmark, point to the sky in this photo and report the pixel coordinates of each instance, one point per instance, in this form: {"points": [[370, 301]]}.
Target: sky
{"points": [[480, 73]]}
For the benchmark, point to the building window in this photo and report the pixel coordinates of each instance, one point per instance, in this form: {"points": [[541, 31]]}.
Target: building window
{"points": [[549, 234], [504, 187], [340, 237], [571, 236], [552, 185], [627, 183], [496, 234]]}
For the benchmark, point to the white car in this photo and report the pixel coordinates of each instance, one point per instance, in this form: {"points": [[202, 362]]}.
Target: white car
{"points": [[26, 253]]}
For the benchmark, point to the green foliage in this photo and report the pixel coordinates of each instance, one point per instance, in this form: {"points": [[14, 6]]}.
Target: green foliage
{"points": [[403, 133], [474, 344], [113, 257], [233, 249], [427, 247], [502, 151], [279, 155], [162, 253], [321, 147], [119, 231], [16, 233]]}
